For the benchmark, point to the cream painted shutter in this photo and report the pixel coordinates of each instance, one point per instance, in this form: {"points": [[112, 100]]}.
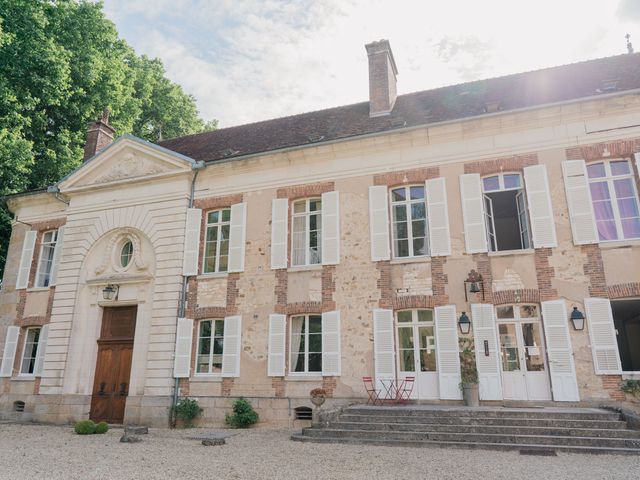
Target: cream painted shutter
{"points": [[331, 343], [439, 238], [279, 227], [56, 256], [191, 242], [561, 364], [231, 346], [637, 155], [379, 223], [383, 351], [182, 358], [237, 237], [42, 348], [277, 338], [576, 184], [330, 228], [475, 229], [602, 333], [9, 352], [543, 226], [484, 330], [448, 352], [26, 259]]}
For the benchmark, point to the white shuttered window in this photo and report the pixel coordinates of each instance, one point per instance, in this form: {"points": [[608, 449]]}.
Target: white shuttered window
{"points": [[383, 351], [438, 217], [279, 229], [379, 223], [475, 232], [583, 225], [543, 227], [602, 333], [487, 358], [276, 347], [9, 352], [191, 242], [448, 352], [26, 258]]}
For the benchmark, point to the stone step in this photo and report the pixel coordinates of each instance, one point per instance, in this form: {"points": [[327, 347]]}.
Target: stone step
{"points": [[501, 421], [550, 440], [472, 445], [487, 429]]}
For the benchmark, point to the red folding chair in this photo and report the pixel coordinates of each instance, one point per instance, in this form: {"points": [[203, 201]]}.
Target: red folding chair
{"points": [[404, 393], [369, 386]]}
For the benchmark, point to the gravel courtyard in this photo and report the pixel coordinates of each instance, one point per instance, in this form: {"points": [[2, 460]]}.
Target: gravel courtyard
{"points": [[48, 452]]}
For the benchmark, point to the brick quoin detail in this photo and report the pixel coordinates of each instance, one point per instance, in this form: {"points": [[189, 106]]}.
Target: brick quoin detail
{"points": [[417, 175], [594, 270], [280, 291], [403, 302], [439, 281], [329, 385], [183, 385], [278, 385], [544, 274], [618, 148], [36, 385], [233, 292], [623, 290], [225, 386], [515, 163], [384, 284], [328, 287], [483, 267], [524, 295], [611, 383]]}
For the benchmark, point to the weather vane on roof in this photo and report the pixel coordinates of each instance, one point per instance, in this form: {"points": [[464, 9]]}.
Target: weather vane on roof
{"points": [[629, 45]]}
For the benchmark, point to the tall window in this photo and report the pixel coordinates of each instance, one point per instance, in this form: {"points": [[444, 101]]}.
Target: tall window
{"points": [[505, 212], [615, 199], [47, 249], [306, 344], [216, 249], [416, 341], [409, 212], [307, 232], [210, 343], [28, 364]]}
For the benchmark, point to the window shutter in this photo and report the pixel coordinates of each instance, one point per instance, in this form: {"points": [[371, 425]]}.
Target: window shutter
{"points": [[182, 358], [448, 352], [331, 343], [379, 223], [637, 155], [26, 259], [383, 349], [602, 333], [475, 229], [277, 338], [191, 242], [439, 238], [9, 352], [42, 347], [231, 346], [330, 228], [279, 228], [576, 184], [237, 237], [561, 365], [56, 256], [543, 226], [484, 330]]}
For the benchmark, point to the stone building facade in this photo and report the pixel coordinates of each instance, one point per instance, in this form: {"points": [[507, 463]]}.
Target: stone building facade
{"points": [[266, 260]]}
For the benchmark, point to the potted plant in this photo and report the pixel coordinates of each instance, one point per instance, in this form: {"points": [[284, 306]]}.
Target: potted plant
{"points": [[468, 373]]}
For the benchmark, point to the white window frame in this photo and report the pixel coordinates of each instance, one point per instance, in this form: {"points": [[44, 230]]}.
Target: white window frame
{"points": [[609, 178], [218, 226], [306, 345], [415, 325], [492, 240], [129, 253], [212, 338], [407, 202], [24, 351], [45, 281], [307, 231]]}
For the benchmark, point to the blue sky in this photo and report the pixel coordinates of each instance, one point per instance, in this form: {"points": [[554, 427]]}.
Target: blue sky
{"points": [[249, 60]]}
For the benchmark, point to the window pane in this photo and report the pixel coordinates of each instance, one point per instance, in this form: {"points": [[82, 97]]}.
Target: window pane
{"points": [[212, 234], [315, 323], [202, 363], [315, 343], [419, 228], [218, 344], [419, 246], [213, 217], [407, 363], [624, 188], [599, 191], [620, 168], [205, 346], [603, 210], [315, 205], [216, 364], [628, 208], [404, 316], [505, 312], [398, 194], [405, 337], [428, 360], [401, 230], [205, 328], [399, 213], [631, 228], [425, 315], [403, 248], [418, 211], [607, 230], [534, 360], [226, 215], [297, 362], [508, 347], [595, 170], [427, 349], [512, 181], [491, 183], [528, 311], [219, 328], [315, 362], [417, 193], [224, 263], [300, 206]]}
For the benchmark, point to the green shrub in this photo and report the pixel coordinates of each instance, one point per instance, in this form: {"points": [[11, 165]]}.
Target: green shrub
{"points": [[187, 410], [243, 414], [85, 427], [468, 370], [102, 427], [632, 387]]}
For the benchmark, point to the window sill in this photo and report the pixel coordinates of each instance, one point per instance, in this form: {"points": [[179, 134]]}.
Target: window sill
{"points": [[631, 375], [305, 268], [402, 260], [619, 244], [507, 253], [24, 378], [304, 377], [205, 378], [38, 289], [210, 276]]}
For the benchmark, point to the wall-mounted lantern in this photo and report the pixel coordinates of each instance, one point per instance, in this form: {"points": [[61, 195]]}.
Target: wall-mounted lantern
{"points": [[110, 292], [464, 324], [473, 284], [577, 319]]}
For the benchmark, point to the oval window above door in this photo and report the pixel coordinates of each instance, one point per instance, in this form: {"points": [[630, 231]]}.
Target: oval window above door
{"points": [[126, 253]]}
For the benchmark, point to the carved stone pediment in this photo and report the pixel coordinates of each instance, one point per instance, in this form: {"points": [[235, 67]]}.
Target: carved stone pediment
{"points": [[131, 165]]}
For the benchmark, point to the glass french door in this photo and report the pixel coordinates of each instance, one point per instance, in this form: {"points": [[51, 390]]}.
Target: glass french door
{"points": [[522, 354], [416, 352]]}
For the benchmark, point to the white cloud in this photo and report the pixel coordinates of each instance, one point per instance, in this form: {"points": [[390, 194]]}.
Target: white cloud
{"points": [[251, 60]]}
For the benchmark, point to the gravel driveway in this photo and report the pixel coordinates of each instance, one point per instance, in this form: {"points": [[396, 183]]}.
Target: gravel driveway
{"points": [[49, 452]]}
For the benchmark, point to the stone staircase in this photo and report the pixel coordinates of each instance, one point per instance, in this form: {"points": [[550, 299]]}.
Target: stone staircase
{"points": [[531, 430]]}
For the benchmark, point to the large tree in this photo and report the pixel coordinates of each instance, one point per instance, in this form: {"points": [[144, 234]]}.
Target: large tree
{"points": [[61, 64]]}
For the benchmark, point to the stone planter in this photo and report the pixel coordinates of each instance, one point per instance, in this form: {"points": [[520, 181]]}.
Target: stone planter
{"points": [[317, 401], [315, 415], [471, 395]]}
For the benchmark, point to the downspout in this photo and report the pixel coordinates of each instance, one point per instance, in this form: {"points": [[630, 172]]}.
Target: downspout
{"points": [[183, 294]]}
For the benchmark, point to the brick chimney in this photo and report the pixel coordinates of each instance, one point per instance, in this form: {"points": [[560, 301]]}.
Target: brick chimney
{"points": [[99, 135], [382, 78]]}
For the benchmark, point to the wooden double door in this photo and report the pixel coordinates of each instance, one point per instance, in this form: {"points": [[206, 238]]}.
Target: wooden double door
{"points": [[113, 365]]}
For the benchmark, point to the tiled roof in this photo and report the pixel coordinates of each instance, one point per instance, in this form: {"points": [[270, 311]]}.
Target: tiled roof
{"points": [[550, 85]]}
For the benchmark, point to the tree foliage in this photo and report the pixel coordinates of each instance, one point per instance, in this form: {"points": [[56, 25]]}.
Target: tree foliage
{"points": [[61, 64]]}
